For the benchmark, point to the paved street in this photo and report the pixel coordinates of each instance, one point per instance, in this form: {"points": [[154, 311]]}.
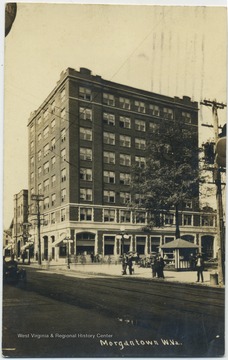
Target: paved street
{"points": [[151, 318]]}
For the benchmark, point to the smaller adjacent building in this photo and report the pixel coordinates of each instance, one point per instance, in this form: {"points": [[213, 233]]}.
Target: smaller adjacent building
{"points": [[20, 229], [7, 242]]}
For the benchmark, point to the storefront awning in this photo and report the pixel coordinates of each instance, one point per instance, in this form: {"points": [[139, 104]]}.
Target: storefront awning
{"points": [[9, 246], [26, 246]]}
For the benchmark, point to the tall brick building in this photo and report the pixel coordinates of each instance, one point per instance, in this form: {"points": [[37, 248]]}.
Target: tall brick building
{"points": [[83, 141]]}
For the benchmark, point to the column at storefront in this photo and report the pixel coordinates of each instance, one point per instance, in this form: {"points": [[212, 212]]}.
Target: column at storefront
{"points": [[133, 243], [200, 242]]}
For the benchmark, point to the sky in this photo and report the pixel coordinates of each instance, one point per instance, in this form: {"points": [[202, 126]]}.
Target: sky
{"points": [[172, 50]]}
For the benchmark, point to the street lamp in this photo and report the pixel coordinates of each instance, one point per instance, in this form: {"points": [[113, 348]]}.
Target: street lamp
{"points": [[122, 236], [68, 241]]}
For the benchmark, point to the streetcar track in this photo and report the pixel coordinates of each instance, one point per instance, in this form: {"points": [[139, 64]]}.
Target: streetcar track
{"points": [[213, 300], [176, 303]]}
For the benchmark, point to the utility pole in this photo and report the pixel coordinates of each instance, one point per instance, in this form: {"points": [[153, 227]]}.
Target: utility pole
{"points": [[217, 175], [38, 198]]}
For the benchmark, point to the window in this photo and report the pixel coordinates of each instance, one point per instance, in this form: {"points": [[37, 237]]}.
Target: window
{"points": [[125, 197], [108, 99], [53, 124], [32, 176], [39, 121], [63, 214], [125, 216], [53, 218], [109, 215], [86, 194], [39, 155], [140, 106], [125, 122], [63, 195], [140, 217], [46, 167], [63, 154], [125, 141], [85, 114], [45, 222], [187, 204], [63, 135], [140, 144], [53, 159], [167, 113], [109, 138], [32, 130], [109, 177], [169, 219], [140, 161], [86, 174], [45, 114], [109, 119], [109, 157], [39, 171], [46, 149], [39, 188], [53, 107], [140, 125], [207, 220], [32, 145], [46, 203], [85, 134], [32, 161], [125, 178], [53, 180], [125, 159], [63, 175], [85, 93], [186, 117], [63, 115], [39, 137], [187, 219], [63, 94], [53, 144], [46, 184], [109, 196], [53, 199], [86, 154], [154, 110], [46, 132], [154, 128], [85, 214], [125, 103]]}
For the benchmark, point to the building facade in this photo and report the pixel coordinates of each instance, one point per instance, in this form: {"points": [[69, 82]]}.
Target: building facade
{"points": [[83, 141], [20, 229]]}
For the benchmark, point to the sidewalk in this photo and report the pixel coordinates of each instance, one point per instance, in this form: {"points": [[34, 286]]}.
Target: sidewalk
{"points": [[188, 277]]}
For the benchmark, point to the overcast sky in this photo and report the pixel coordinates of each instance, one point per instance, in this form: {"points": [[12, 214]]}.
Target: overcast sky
{"points": [[170, 50]]}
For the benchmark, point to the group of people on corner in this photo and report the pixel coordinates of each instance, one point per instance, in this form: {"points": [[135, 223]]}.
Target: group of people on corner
{"points": [[157, 266], [127, 263], [196, 264]]}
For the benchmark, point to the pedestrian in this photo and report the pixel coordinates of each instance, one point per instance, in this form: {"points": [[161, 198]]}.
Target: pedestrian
{"points": [[153, 266], [124, 264], [92, 257], [160, 267], [199, 267], [23, 257], [130, 264]]}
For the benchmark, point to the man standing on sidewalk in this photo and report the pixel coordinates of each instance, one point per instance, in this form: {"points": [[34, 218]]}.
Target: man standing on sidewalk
{"points": [[199, 267]]}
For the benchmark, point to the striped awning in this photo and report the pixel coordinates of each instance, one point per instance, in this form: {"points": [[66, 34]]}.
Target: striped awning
{"points": [[27, 245]]}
